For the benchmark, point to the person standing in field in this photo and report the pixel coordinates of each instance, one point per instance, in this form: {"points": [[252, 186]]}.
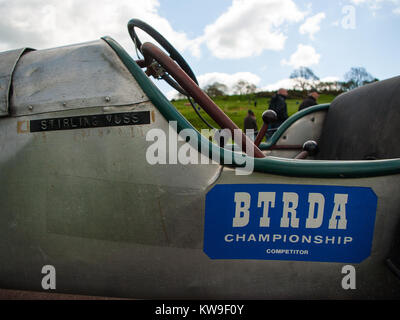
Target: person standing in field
{"points": [[310, 101], [278, 104], [250, 123]]}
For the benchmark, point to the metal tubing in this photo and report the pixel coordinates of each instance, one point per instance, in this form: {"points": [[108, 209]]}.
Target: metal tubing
{"points": [[261, 134]]}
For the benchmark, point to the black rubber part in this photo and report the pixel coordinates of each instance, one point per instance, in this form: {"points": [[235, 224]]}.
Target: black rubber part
{"points": [[363, 124], [174, 54]]}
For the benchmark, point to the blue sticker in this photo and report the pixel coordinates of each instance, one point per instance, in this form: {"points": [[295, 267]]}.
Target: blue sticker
{"points": [[290, 222]]}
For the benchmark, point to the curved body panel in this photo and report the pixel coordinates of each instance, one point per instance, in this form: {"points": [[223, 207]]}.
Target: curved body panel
{"points": [[8, 62], [72, 77]]}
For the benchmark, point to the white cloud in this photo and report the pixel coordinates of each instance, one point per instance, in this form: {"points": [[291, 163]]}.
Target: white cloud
{"points": [[49, 23], [228, 79], [249, 27], [231, 79], [371, 3], [305, 56], [284, 83], [375, 4], [172, 94], [396, 11], [312, 25], [330, 79], [291, 83]]}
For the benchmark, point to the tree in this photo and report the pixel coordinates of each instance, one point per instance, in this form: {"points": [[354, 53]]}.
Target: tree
{"points": [[244, 87], [250, 88], [357, 77], [328, 86], [372, 81], [216, 89], [304, 78]]}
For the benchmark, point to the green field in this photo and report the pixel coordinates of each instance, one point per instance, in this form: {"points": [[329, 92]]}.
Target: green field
{"points": [[236, 108]]}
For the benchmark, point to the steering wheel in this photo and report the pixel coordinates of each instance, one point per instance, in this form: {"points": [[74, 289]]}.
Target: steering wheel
{"points": [[184, 78], [174, 54], [155, 69]]}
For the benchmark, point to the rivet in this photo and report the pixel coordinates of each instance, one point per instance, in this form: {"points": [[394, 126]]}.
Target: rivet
{"points": [[108, 99], [64, 104], [30, 108]]}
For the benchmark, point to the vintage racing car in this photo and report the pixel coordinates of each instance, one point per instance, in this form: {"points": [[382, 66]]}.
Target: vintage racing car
{"points": [[78, 192]]}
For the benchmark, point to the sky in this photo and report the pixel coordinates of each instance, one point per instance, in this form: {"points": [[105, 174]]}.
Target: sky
{"points": [[260, 41]]}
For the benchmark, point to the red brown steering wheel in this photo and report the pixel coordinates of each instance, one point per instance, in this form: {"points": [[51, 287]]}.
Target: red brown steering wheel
{"points": [[152, 52]]}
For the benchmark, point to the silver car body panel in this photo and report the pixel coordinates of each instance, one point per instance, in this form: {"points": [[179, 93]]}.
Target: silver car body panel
{"points": [[8, 62], [72, 77], [306, 128]]}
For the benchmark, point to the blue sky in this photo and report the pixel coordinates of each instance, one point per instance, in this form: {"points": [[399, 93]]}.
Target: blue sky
{"points": [[261, 41], [372, 43]]}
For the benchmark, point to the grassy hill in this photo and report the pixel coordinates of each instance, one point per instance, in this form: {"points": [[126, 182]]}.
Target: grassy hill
{"points": [[236, 108]]}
